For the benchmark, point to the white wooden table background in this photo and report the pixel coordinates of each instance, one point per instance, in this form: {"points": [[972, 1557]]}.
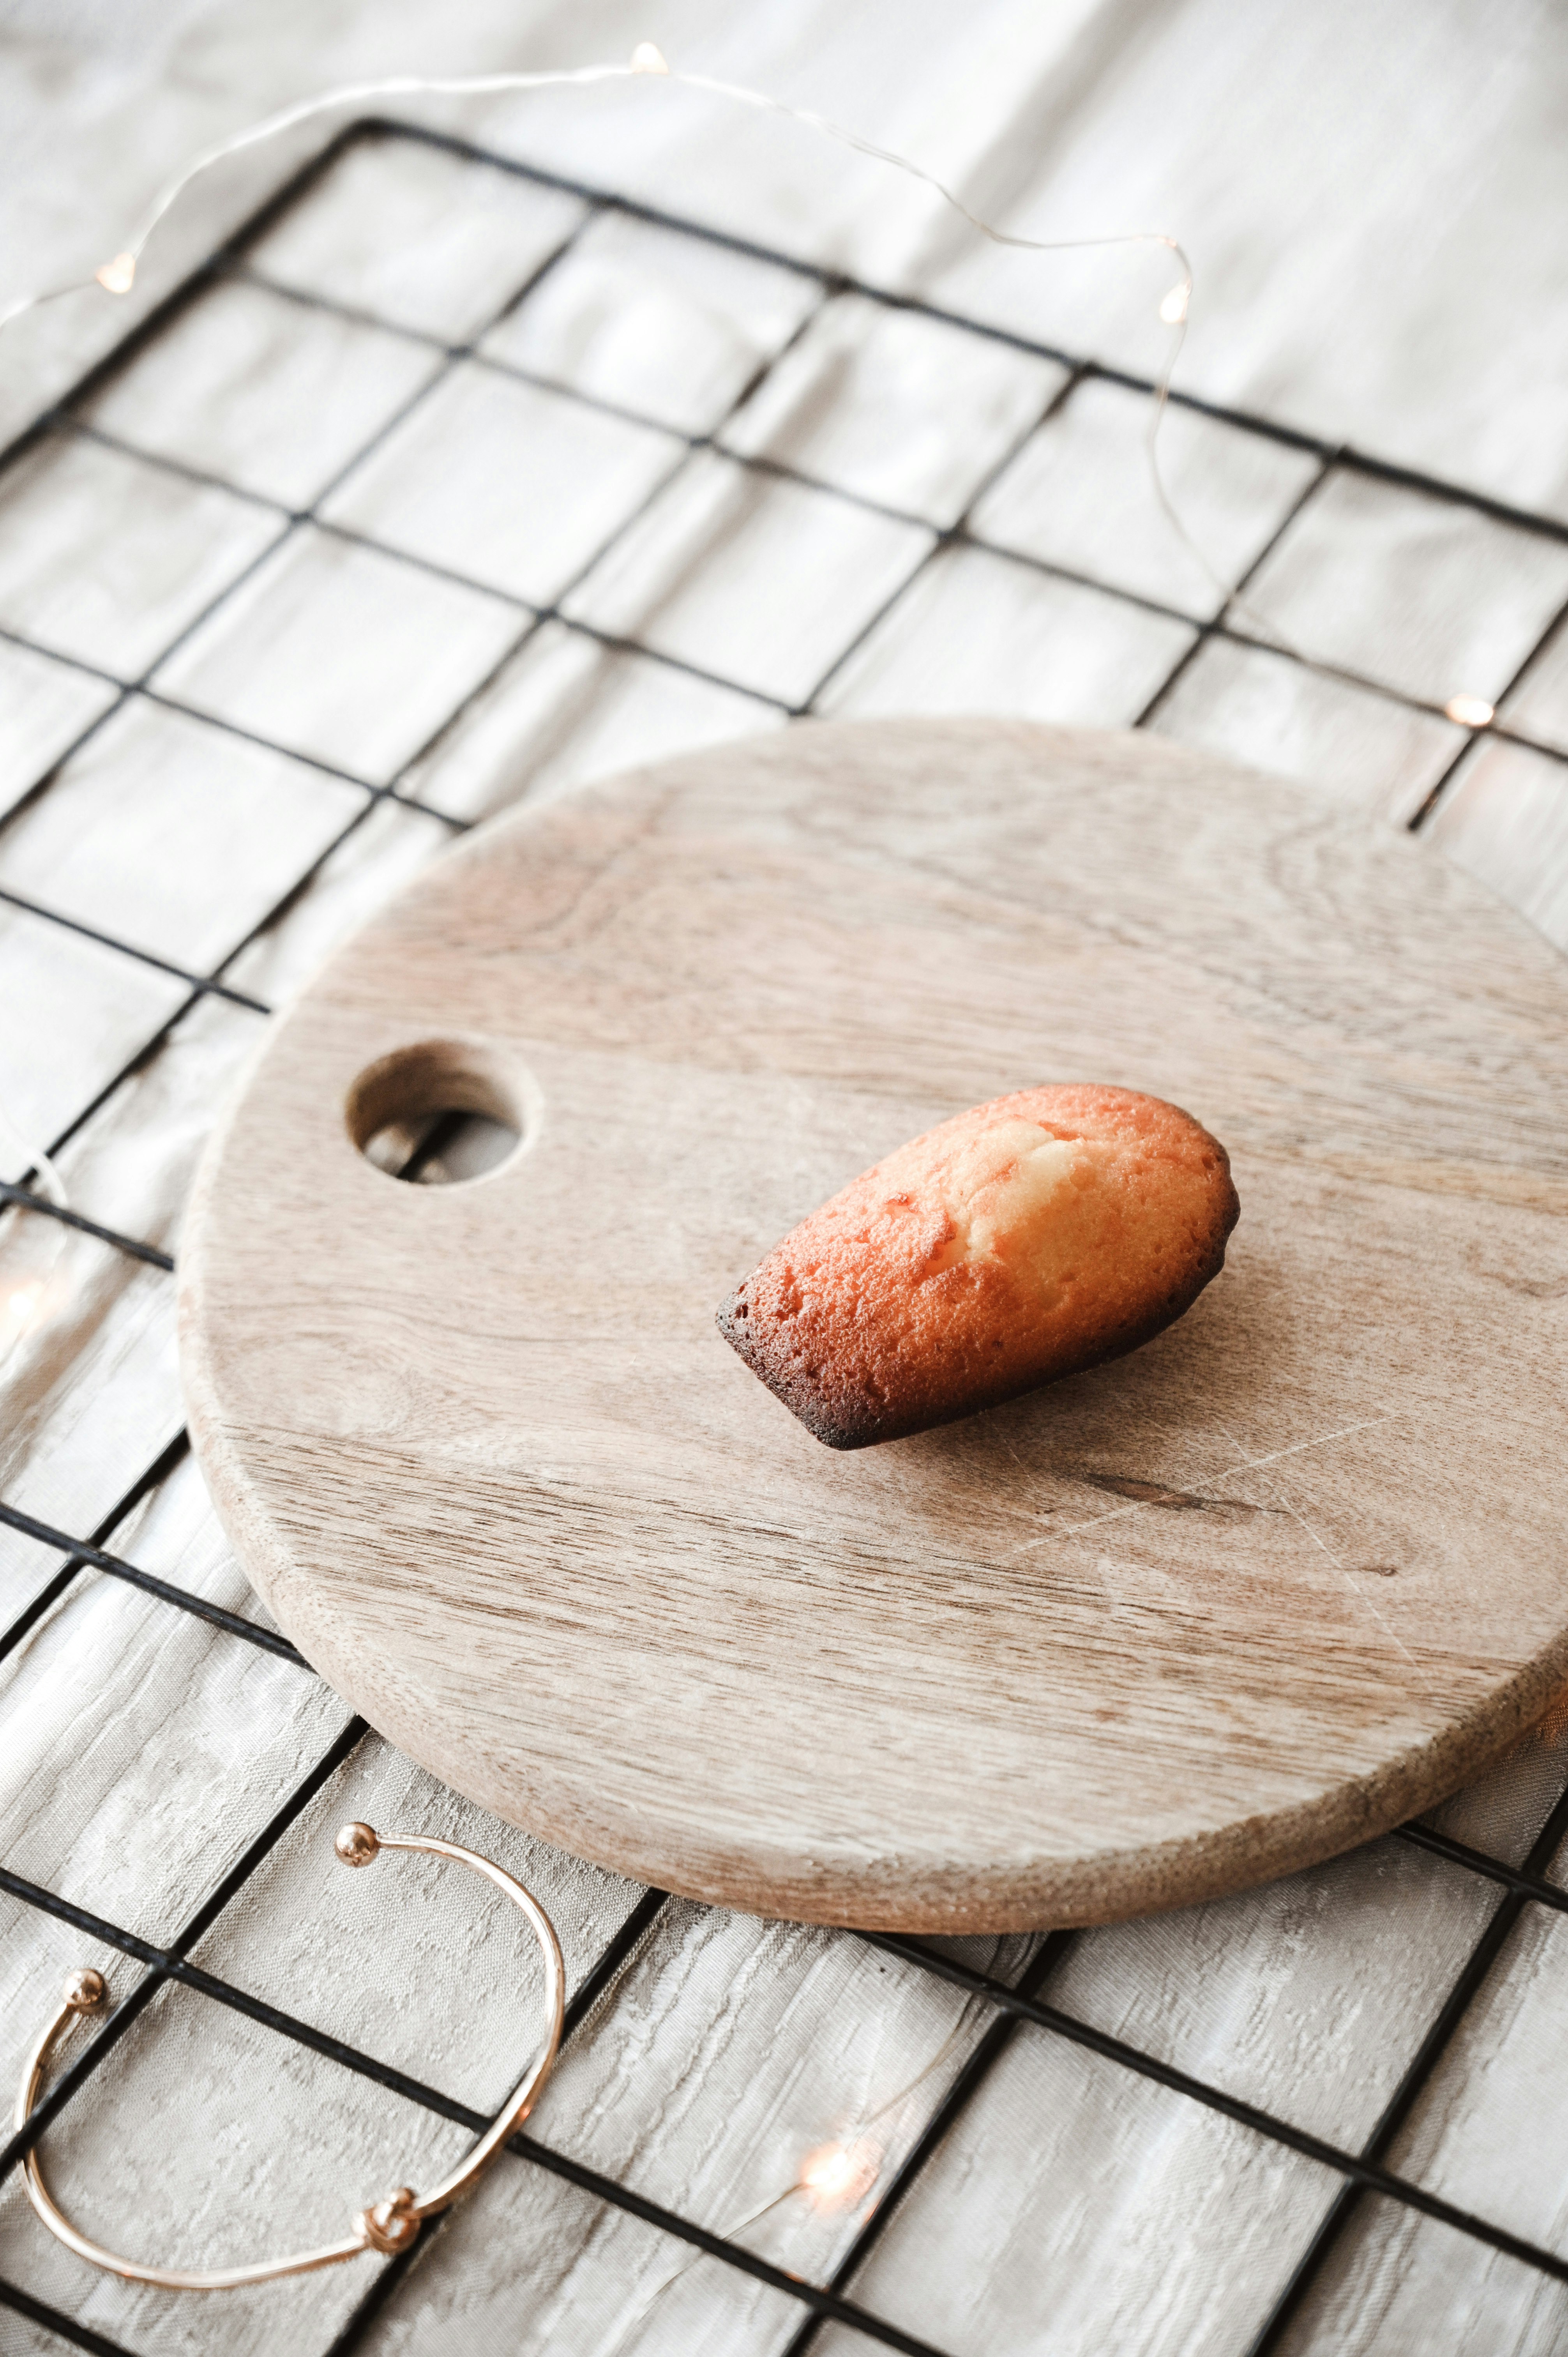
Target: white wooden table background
{"points": [[1371, 201]]}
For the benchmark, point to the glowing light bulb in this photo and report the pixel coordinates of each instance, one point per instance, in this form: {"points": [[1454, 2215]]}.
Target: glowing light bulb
{"points": [[20, 1309], [118, 277], [839, 2175], [1173, 303], [648, 58], [1470, 710], [826, 2170]]}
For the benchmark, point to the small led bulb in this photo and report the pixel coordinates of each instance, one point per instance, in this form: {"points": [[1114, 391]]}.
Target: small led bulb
{"points": [[1470, 710], [826, 2170], [839, 2175], [1173, 303], [19, 1307], [648, 58], [118, 277]]}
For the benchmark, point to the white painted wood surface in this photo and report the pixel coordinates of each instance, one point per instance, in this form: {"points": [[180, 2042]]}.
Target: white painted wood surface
{"points": [[1403, 293]]}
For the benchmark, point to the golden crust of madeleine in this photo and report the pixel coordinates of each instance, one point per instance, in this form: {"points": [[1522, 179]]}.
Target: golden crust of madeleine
{"points": [[1018, 1242]]}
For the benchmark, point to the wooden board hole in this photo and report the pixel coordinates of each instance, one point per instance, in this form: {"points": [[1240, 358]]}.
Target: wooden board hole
{"points": [[442, 1112]]}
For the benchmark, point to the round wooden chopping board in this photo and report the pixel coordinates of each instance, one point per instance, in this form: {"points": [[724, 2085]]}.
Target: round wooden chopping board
{"points": [[1281, 1578]]}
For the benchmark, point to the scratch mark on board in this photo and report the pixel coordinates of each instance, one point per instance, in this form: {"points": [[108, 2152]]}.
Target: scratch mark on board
{"points": [[1346, 1575], [1243, 1465]]}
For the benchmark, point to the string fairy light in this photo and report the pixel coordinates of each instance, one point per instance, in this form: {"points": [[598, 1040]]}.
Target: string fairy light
{"points": [[19, 1305], [837, 2175], [49, 1180], [25, 1302], [117, 276]]}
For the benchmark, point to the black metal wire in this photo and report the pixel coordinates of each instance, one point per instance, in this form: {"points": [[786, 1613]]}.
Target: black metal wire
{"points": [[978, 2066], [616, 1955], [1495, 1869], [1246, 420], [1417, 2076], [82, 1551], [128, 949], [24, 1199], [163, 1963], [950, 536], [142, 1487], [1437, 791], [1019, 2009], [1362, 2172], [1216, 625], [39, 2311]]}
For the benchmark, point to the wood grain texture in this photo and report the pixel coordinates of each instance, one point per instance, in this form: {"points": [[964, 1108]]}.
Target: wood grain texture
{"points": [[1279, 1579]]}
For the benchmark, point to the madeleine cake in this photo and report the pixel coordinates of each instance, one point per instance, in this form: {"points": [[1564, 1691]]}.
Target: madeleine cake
{"points": [[1020, 1241]]}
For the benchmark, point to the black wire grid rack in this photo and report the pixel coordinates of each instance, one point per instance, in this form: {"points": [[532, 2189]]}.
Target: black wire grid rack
{"points": [[1021, 2008]]}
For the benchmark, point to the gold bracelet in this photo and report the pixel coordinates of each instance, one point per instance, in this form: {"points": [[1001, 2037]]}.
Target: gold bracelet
{"points": [[389, 2226]]}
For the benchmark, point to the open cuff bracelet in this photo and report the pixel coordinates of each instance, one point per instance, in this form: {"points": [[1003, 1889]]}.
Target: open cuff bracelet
{"points": [[387, 2226]]}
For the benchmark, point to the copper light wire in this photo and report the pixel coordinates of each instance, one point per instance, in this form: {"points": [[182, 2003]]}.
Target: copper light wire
{"points": [[118, 275], [387, 2226]]}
